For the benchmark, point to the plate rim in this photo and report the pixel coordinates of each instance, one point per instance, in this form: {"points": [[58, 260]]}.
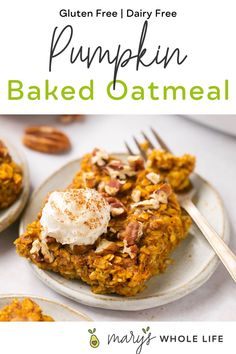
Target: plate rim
{"points": [[112, 302], [83, 316]]}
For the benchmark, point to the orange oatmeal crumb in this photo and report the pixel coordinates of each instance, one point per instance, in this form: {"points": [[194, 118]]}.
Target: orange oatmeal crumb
{"points": [[25, 310]]}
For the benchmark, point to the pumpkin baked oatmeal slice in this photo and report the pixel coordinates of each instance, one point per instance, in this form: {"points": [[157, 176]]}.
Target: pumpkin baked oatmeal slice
{"points": [[114, 227], [25, 310], [11, 177]]}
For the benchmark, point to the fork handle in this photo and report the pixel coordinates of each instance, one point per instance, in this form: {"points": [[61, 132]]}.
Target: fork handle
{"points": [[227, 257]]}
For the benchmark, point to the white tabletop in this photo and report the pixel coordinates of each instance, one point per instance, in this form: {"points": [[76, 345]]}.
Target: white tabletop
{"points": [[216, 161]]}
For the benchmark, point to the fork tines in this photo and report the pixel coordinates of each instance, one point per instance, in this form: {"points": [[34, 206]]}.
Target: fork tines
{"points": [[142, 151], [160, 141]]}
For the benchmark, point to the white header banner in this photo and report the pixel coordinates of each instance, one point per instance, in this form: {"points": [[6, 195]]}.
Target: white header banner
{"points": [[105, 57]]}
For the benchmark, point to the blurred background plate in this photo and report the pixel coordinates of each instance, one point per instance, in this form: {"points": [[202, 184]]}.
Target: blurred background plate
{"points": [[10, 214], [57, 311]]}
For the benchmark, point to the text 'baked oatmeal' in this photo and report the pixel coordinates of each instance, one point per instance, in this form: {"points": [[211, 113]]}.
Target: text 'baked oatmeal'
{"points": [[115, 225]]}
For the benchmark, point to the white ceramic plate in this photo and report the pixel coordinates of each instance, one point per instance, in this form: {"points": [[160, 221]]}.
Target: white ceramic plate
{"points": [[224, 123], [9, 215], [51, 308], [195, 261]]}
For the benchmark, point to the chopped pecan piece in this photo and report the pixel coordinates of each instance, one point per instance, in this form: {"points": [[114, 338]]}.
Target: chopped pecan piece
{"points": [[117, 208], [41, 251], [131, 250], [48, 256], [112, 200], [116, 211], [89, 179], [132, 233], [153, 177], [117, 169], [136, 195], [165, 188], [136, 162], [36, 247], [116, 165], [112, 230], [163, 193], [99, 157], [113, 187], [129, 171], [105, 247], [88, 175], [152, 203], [160, 196], [101, 187], [50, 240]]}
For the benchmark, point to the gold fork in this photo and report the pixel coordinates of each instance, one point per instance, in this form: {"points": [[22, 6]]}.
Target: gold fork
{"points": [[227, 257]]}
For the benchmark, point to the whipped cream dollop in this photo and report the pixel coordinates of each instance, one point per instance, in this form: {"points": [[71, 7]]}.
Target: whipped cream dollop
{"points": [[75, 216]]}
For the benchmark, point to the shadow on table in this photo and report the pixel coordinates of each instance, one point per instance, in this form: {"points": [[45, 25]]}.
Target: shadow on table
{"points": [[7, 237]]}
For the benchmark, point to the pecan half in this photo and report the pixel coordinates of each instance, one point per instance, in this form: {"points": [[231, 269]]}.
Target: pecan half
{"points": [[46, 139], [131, 235]]}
